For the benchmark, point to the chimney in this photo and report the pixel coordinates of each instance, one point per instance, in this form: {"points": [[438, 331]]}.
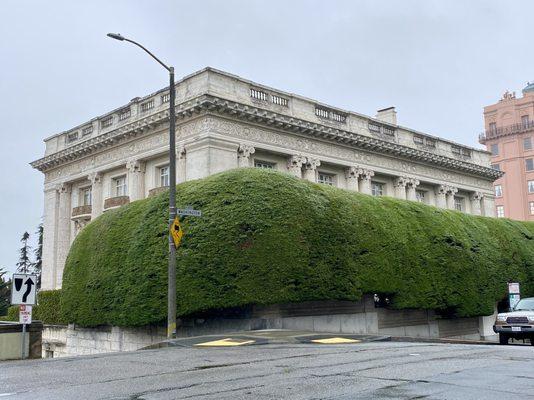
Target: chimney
{"points": [[387, 115]]}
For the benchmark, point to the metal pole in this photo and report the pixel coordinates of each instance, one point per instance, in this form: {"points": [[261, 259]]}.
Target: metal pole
{"points": [[171, 305], [23, 342]]}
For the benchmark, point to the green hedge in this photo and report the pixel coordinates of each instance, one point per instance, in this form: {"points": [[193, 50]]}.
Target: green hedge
{"points": [[12, 314], [47, 310], [265, 237]]}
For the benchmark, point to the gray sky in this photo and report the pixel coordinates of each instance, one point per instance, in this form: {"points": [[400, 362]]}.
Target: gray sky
{"points": [[438, 62]]}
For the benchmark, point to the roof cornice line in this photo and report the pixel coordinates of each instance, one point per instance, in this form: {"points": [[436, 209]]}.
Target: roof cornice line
{"points": [[217, 105]]}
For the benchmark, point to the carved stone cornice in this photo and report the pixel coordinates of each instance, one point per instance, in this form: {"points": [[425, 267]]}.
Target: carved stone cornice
{"points": [[219, 106]]}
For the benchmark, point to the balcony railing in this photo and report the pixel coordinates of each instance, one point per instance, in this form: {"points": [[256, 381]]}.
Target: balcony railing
{"points": [[81, 211], [118, 201], [505, 130]]}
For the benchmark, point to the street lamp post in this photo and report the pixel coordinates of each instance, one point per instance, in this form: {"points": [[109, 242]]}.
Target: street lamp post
{"points": [[171, 286]]}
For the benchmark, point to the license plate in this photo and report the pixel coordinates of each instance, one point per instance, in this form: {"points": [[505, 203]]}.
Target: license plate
{"points": [[516, 329]]}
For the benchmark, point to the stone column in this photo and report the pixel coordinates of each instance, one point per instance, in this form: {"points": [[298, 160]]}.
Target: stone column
{"points": [[476, 199], [441, 196], [63, 231], [50, 218], [181, 162], [411, 187], [97, 194], [243, 155], [294, 165], [352, 174], [488, 205], [136, 179], [365, 182], [310, 169], [450, 197], [400, 187]]}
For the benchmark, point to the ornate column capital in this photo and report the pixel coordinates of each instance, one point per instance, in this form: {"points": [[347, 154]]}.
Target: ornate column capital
{"points": [[412, 182], [135, 166], [296, 161], [312, 163], [64, 188], [452, 190], [95, 177], [476, 196], [400, 181], [353, 172], [442, 189], [367, 174], [180, 152], [246, 150]]}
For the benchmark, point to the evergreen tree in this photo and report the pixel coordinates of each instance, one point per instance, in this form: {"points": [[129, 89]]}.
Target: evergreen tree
{"points": [[24, 266], [38, 253], [5, 292]]}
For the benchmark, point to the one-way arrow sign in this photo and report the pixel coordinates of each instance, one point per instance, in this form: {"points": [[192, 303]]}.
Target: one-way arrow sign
{"points": [[23, 289]]}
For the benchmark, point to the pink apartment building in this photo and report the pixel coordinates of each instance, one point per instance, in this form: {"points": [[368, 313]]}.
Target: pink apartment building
{"points": [[509, 136]]}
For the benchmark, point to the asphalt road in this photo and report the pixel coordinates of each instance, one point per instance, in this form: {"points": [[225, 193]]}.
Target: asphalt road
{"points": [[376, 370]]}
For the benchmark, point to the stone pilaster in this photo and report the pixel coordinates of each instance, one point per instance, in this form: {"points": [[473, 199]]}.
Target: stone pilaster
{"points": [[365, 180], [476, 199], [63, 231], [243, 155], [488, 205], [294, 165], [450, 197], [181, 163], [136, 179], [310, 169], [400, 187], [411, 187], [441, 196], [97, 194], [352, 175], [50, 218]]}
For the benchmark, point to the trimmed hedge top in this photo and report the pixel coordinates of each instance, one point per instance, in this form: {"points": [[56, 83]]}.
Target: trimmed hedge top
{"points": [[265, 237]]}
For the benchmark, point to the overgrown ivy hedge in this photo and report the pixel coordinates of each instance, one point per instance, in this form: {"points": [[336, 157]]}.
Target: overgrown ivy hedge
{"points": [[265, 237]]}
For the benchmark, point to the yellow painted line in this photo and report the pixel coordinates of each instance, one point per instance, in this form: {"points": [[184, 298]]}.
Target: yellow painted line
{"points": [[335, 340], [225, 342]]}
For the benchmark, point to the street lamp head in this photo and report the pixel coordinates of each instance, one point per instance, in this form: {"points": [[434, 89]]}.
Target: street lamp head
{"points": [[116, 36]]}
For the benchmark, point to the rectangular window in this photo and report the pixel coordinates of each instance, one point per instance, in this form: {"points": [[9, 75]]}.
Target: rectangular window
{"points": [[258, 94], [165, 98], [493, 127], [498, 190], [387, 130], [339, 117], [377, 189], [87, 130], [458, 203], [527, 143], [125, 114], [106, 122], [85, 196], [72, 137], [496, 167], [147, 106], [164, 176], [500, 211], [494, 149], [263, 164], [279, 100], [529, 164], [524, 121], [374, 127], [325, 179], [418, 139], [531, 207], [530, 186], [119, 186], [420, 196]]}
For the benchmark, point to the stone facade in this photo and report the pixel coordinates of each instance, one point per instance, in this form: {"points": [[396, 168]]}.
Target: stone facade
{"points": [[225, 122]]}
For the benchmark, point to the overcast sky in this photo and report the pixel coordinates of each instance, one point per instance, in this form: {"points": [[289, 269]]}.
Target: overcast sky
{"points": [[438, 62]]}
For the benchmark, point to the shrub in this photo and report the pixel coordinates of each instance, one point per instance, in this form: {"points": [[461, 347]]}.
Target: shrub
{"points": [[12, 314], [265, 237], [48, 309]]}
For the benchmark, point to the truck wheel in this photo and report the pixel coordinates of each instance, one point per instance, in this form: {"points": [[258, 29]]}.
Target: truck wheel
{"points": [[503, 338]]}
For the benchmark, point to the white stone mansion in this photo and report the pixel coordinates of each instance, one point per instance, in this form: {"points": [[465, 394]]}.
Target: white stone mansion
{"points": [[225, 122]]}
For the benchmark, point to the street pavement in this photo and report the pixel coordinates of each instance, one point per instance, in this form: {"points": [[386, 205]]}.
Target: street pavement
{"points": [[365, 370]]}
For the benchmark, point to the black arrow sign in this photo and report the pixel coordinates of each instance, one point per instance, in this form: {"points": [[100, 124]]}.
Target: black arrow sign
{"points": [[29, 283], [18, 283]]}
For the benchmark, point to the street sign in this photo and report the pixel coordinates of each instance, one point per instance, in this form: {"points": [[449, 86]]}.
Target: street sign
{"points": [[513, 294], [25, 314], [176, 231], [189, 211], [513, 288], [23, 289]]}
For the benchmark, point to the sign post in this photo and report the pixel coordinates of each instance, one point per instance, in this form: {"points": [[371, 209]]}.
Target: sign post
{"points": [[23, 294], [513, 294]]}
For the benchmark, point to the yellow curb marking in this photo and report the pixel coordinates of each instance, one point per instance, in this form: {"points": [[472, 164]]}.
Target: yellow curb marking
{"points": [[225, 342], [335, 340]]}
